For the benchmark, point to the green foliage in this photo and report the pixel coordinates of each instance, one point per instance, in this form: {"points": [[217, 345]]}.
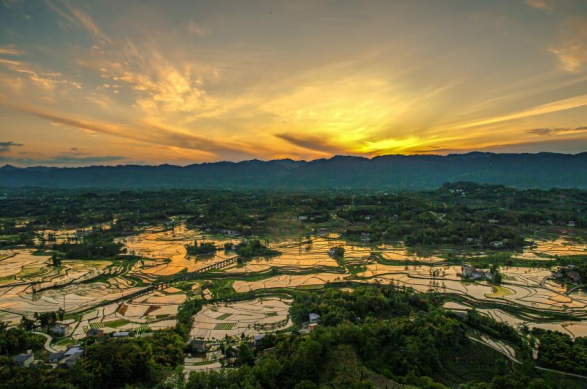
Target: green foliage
{"points": [[558, 351], [336, 306], [110, 363], [56, 259], [203, 248], [338, 252], [498, 330], [245, 355], [98, 244], [15, 340], [185, 316], [254, 248]]}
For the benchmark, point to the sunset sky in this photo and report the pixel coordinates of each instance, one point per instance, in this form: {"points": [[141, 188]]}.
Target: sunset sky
{"points": [[151, 82]]}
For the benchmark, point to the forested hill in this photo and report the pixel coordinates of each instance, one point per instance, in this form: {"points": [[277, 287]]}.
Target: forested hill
{"points": [[543, 170]]}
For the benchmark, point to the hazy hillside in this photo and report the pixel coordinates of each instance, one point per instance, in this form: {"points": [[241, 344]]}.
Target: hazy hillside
{"points": [[544, 170]]}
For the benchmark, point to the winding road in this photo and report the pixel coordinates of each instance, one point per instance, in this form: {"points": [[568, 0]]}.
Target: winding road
{"points": [[47, 344]]}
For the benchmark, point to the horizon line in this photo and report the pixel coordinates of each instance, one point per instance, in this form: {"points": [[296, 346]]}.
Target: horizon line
{"points": [[8, 165]]}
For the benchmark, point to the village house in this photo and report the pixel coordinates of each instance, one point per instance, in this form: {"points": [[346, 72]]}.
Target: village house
{"points": [[71, 356], [61, 329], [95, 332], [198, 345], [257, 339], [314, 318], [469, 271], [24, 360], [365, 237], [121, 334], [567, 273], [56, 357], [70, 361], [497, 244]]}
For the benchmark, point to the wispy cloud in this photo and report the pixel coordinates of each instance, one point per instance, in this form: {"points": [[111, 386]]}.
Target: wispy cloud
{"points": [[147, 133], [64, 159], [571, 48], [7, 146], [556, 106], [313, 143], [540, 4], [77, 17], [196, 30], [162, 90], [556, 131], [45, 80], [9, 50]]}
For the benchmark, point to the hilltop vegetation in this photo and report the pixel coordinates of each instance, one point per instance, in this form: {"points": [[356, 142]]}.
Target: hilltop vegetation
{"points": [[417, 172], [460, 215], [372, 337], [376, 337]]}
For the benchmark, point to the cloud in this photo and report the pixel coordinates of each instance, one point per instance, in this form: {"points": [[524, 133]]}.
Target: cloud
{"points": [[556, 131], [540, 4], [148, 133], [310, 143], [196, 30], [556, 106], [9, 50], [78, 18], [74, 156], [162, 89], [571, 50], [44, 80], [64, 159], [6, 146]]}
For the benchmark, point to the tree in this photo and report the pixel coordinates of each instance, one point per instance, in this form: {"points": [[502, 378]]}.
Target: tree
{"points": [[27, 324], [56, 259], [539, 383], [306, 385], [245, 355]]}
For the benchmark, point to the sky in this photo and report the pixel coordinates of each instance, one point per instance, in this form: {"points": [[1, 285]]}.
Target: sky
{"points": [[180, 82]]}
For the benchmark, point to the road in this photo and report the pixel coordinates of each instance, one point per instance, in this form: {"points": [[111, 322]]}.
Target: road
{"points": [[47, 344], [511, 358]]}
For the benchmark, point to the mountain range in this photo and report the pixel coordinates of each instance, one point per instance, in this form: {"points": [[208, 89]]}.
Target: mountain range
{"points": [[414, 172]]}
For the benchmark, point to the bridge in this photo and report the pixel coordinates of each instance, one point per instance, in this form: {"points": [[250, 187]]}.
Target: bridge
{"points": [[167, 283]]}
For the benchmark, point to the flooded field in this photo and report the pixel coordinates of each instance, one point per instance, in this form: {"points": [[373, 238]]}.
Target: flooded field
{"points": [[29, 283], [560, 246], [165, 252], [258, 316]]}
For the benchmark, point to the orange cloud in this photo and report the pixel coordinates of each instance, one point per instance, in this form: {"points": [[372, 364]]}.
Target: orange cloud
{"points": [[539, 4]]}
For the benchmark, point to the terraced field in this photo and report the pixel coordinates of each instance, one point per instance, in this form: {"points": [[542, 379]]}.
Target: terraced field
{"points": [[93, 291]]}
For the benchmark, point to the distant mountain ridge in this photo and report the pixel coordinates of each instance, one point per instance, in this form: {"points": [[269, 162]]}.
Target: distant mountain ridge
{"points": [[542, 170]]}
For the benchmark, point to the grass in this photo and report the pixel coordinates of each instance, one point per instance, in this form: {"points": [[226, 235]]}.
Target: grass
{"points": [[221, 288], [65, 342], [473, 362], [116, 323], [225, 326], [499, 292], [143, 328]]}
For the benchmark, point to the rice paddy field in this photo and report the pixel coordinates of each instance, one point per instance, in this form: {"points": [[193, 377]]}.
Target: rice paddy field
{"points": [[217, 321], [92, 291]]}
